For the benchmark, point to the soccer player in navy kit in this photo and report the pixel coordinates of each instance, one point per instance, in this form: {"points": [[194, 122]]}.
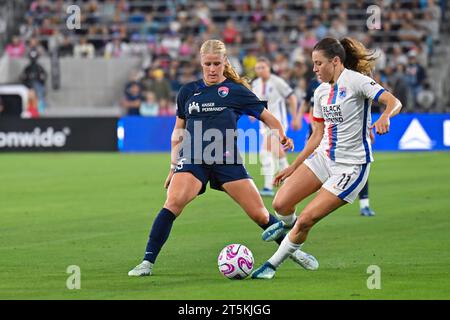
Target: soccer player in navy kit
{"points": [[210, 108]]}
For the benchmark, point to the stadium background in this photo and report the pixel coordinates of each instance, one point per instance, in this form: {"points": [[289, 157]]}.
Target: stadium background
{"points": [[94, 209]]}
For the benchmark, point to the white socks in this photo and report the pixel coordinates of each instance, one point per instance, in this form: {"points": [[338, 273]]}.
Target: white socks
{"points": [[268, 168], [285, 249], [282, 163], [363, 203], [289, 220], [269, 163]]}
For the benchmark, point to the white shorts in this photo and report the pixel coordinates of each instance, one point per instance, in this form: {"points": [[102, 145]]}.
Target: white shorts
{"points": [[342, 179]]}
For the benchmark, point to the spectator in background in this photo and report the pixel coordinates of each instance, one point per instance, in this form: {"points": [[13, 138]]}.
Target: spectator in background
{"points": [[307, 41], [133, 98], [233, 57], [32, 106], [35, 46], [338, 29], [399, 84], [54, 41], [249, 63], [319, 28], [149, 107], [280, 66], [172, 42], [65, 48], [29, 28], [415, 74], [16, 49], [398, 57], [147, 80], [149, 26], [175, 83], [107, 10], [426, 98], [34, 77], [230, 33], [84, 49], [46, 28], [188, 48], [116, 48], [161, 88]]}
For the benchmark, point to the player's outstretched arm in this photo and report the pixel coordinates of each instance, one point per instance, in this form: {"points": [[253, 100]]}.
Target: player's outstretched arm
{"points": [[175, 141], [393, 107], [276, 127]]}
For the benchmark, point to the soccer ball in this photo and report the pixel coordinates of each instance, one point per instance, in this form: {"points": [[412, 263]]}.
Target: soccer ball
{"points": [[235, 261]]}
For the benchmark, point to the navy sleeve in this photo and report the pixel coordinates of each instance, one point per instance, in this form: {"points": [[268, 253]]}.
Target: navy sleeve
{"points": [[183, 95], [248, 103]]}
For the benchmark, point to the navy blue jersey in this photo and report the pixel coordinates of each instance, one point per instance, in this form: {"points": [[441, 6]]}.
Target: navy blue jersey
{"points": [[309, 97], [211, 114]]}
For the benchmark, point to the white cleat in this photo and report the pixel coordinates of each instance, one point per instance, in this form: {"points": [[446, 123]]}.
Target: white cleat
{"points": [[142, 269], [305, 260]]}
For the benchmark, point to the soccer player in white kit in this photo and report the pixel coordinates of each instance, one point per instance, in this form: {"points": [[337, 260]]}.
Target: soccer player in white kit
{"points": [[336, 159], [273, 89]]}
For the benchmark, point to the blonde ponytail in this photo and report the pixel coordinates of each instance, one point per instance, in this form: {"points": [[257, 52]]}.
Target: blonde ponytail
{"points": [[218, 47], [231, 74]]}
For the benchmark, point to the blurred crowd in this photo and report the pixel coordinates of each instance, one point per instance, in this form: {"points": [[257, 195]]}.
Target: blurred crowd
{"points": [[167, 35]]}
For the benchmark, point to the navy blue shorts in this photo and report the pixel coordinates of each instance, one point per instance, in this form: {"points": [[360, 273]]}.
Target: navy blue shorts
{"points": [[215, 174]]}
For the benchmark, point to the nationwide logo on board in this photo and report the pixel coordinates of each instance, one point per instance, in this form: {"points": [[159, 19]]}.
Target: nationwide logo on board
{"points": [[38, 138], [415, 138], [223, 91]]}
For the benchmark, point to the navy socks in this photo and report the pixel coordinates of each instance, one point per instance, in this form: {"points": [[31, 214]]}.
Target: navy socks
{"points": [[158, 235]]}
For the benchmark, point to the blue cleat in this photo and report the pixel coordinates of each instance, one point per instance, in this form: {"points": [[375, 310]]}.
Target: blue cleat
{"points": [[367, 212], [274, 231], [266, 271], [266, 192]]}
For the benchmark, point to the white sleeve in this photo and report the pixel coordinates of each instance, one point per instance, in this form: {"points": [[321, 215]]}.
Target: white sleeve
{"points": [[283, 88], [317, 109], [368, 88]]}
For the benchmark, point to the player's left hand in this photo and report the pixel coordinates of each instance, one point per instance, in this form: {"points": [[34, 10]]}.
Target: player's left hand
{"points": [[381, 125], [287, 143]]}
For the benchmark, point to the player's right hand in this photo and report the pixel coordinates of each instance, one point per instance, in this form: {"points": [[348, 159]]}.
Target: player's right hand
{"points": [[296, 124], [169, 178], [287, 143], [283, 175]]}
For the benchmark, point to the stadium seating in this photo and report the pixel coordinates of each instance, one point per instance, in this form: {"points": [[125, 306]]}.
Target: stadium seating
{"points": [[166, 35]]}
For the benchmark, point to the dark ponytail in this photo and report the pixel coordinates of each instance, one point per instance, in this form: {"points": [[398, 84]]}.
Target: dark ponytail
{"points": [[351, 52]]}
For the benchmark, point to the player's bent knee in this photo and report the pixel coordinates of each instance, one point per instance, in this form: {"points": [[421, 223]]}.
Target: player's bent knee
{"points": [[281, 208], [175, 204]]}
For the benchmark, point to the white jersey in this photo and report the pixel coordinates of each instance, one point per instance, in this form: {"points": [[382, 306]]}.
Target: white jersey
{"points": [[345, 107], [275, 91]]}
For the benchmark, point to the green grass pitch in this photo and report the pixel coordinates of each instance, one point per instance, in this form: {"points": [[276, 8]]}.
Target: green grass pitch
{"points": [[95, 211]]}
